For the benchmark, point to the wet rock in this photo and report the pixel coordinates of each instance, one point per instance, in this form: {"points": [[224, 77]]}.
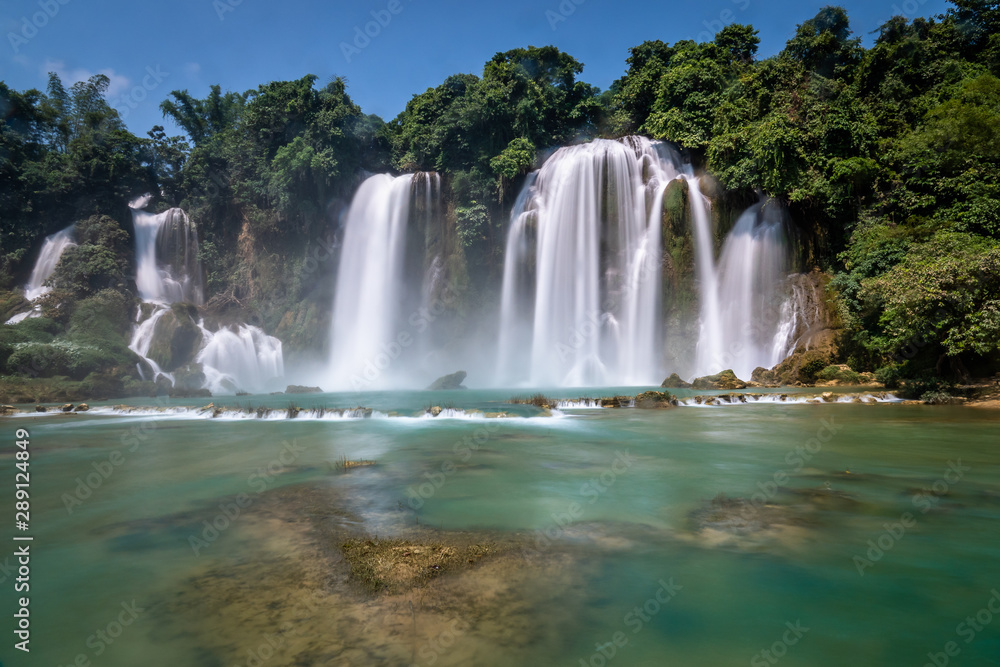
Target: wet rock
{"points": [[655, 399], [68, 407], [615, 401], [189, 382], [675, 382], [83, 407], [176, 338], [828, 396], [725, 380], [300, 389], [763, 376], [7, 409], [446, 382], [434, 410], [41, 408]]}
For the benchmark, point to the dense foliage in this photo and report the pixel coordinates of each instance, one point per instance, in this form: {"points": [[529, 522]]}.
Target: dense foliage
{"points": [[888, 158]]}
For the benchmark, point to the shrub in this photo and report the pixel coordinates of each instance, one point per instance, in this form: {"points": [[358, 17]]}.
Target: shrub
{"points": [[845, 375], [937, 398], [810, 369], [889, 376], [920, 387], [38, 360]]}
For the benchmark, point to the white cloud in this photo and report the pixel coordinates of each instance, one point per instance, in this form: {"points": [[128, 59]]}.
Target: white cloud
{"points": [[118, 82]]}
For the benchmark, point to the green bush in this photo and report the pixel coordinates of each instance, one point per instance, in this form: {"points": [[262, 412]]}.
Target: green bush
{"points": [[889, 376], [846, 376], [925, 386], [937, 398], [810, 369], [38, 360], [103, 317]]}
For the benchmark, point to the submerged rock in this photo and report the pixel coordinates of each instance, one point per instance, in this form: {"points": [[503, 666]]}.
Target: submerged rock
{"points": [[725, 380], [445, 382], [675, 381]]}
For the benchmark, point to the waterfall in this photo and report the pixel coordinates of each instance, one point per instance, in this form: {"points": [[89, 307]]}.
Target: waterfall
{"points": [[142, 340], [581, 285], [242, 359], [748, 318], [45, 266], [166, 255], [384, 275], [168, 270]]}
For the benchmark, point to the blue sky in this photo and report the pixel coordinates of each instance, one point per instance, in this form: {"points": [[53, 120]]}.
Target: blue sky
{"points": [[150, 49]]}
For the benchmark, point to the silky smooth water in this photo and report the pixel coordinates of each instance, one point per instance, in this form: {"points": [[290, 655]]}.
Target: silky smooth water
{"points": [[735, 598]]}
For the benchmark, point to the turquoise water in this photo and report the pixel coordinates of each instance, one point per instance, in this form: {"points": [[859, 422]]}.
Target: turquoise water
{"points": [[621, 488]]}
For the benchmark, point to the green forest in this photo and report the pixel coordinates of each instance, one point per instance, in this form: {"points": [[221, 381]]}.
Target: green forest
{"points": [[888, 159]]}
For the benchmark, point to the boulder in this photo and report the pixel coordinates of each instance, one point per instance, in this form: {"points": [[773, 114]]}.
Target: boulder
{"points": [[189, 381], [68, 407], [434, 410], [445, 382], [299, 389], [675, 382], [763, 376], [176, 338], [41, 408], [655, 399], [83, 407], [725, 380]]}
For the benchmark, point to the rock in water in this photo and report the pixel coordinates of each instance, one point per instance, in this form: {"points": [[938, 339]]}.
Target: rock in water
{"points": [[675, 381], [655, 399], [299, 389], [725, 380], [453, 381]]}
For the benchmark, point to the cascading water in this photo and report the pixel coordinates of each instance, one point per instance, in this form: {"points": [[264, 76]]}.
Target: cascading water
{"points": [[381, 274], [45, 266], [166, 257], [245, 358], [745, 308], [168, 271], [581, 286]]}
